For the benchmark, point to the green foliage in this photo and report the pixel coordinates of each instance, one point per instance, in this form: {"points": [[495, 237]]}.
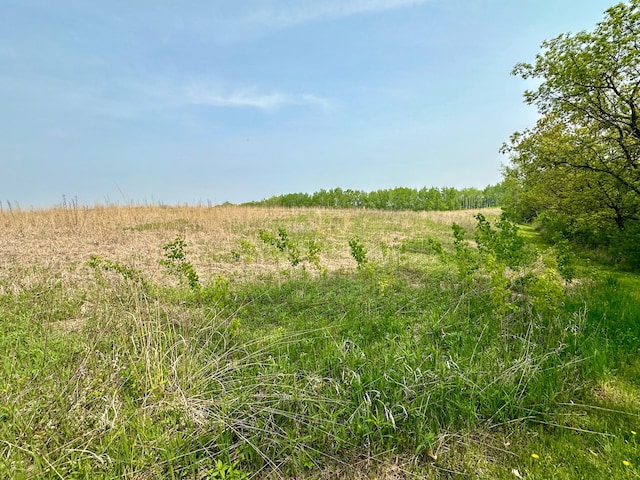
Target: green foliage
{"points": [[458, 235], [495, 248], [98, 263], [578, 165], [358, 252], [516, 277], [267, 237], [464, 257], [565, 258], [400, 198], [177, 263], [423, 245], [625, 246], [247, 250], [313, 255], [283, 243], [223, 471], [546, 292], [215, 292], [614, 315], [503, 241], [500, 289], [293, 253]]}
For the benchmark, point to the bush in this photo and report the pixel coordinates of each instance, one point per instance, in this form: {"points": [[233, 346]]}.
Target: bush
{"points": [[358, 252], [625, 246], [503, 241]]}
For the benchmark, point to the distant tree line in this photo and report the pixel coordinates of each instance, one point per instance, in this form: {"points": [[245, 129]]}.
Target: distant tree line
{"points": [[400, 198]]}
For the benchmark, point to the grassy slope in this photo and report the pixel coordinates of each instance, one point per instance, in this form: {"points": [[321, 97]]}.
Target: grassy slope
{"points": [[320, 370]]}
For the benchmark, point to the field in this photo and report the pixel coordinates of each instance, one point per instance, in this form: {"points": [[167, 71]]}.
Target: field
{"points": [[243, 342]]}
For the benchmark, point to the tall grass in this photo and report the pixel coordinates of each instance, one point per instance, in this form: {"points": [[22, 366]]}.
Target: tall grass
{"points": [[433, 356], [145, 388]]}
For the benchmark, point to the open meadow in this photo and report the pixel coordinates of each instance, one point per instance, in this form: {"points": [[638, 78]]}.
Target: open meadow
{"points": [[241, 342]]}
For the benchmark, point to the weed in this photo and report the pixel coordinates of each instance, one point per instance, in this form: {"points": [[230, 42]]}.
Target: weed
{"points": [[313, 255], [215, 292], [546, 292], [282, 243], [427, 246], [247, 250], [565, 258], [294, 255], [267, 237], [464, 257], [176, 262], [358, 252], [503, 241], [222, 471], [127, 272]]}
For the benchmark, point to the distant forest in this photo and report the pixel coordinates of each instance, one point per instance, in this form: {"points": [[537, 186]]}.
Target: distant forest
{"points": [[400, 198]]}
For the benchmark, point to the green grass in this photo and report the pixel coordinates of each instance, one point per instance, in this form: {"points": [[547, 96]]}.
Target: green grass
{"points": [[427, 359]]}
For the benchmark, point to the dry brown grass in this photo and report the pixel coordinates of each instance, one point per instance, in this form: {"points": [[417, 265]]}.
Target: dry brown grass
{"points": [[62, 239]]}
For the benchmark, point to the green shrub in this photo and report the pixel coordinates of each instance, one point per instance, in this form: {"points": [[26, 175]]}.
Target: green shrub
{"points": [[283, 244], [564, 257], [358, 252], [625, 246], [176, 262], [502, 241]]}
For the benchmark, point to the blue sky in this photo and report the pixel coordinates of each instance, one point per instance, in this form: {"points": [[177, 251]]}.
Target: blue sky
{"points": [[236, 100]]}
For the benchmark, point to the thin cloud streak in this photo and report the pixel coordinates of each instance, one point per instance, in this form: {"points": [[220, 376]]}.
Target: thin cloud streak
{"points": [[250, 98], [134, 98], [312, 10]]}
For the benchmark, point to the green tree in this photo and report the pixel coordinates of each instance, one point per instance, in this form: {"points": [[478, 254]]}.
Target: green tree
{"points": [[580, 164]]}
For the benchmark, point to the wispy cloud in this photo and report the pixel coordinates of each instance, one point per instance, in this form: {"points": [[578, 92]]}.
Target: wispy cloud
{"points": [[133, 98], [249, 98], [286, 13]]}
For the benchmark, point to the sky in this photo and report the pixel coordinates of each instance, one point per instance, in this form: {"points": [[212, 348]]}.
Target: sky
{"points": [[212, 101]]}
